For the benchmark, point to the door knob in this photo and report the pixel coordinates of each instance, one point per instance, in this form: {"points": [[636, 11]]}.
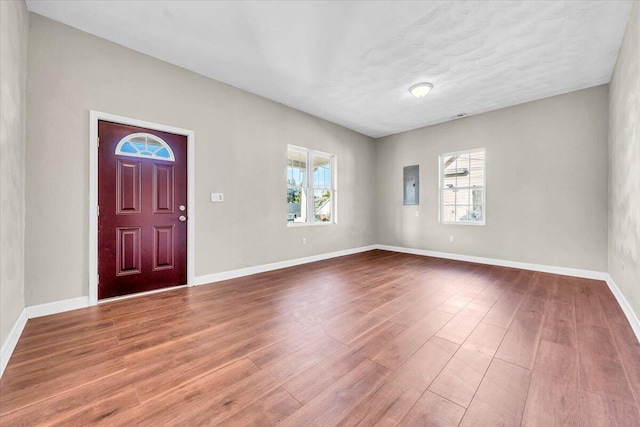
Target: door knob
{"points": [[182, 218], [182, 208]]}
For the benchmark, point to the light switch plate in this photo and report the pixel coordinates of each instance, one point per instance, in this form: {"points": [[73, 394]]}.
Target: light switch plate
{"points": [[217, 197]]}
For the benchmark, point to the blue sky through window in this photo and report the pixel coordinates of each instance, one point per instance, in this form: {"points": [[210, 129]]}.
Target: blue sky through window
{"points": [[144, 145]]}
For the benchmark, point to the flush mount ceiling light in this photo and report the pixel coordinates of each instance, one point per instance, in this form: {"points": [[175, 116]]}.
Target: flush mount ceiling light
{"points": [[421, 89]]}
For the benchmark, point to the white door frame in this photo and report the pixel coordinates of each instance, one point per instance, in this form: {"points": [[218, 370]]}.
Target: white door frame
{"points": [[94, 117]]}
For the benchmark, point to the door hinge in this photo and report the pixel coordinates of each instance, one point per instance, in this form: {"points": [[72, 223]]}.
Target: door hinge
{"points": [[98, 210], [98, 142], [98, 276]]}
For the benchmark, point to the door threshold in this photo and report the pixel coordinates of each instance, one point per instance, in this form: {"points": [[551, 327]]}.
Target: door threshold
{"points": [[141, 294]]}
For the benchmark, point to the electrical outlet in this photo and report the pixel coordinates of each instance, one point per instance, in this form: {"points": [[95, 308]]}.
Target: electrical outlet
{"points": [[417, 213], [304, 240], [217, 197], [452, 239]]}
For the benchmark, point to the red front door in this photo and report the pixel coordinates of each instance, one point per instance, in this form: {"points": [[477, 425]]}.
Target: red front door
{"points": [[142, 201]]}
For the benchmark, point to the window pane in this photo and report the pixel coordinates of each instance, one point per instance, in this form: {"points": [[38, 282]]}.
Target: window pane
{"points": [[128, 148], [296, 168], [449, 180], [462, 197], [477, 201], [449, 163], [469, 212], [163, 153], [322, 206], [296, 204], [139, 145], [462, 213], [321, 172], [449, 213], [448, 197], [477, 171], [456, 171], [144, 145]]}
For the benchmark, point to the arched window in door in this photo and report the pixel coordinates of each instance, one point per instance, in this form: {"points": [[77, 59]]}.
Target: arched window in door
{"points": [[145, 145]]}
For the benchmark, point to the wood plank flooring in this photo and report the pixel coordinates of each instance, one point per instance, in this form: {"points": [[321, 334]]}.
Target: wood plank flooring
{"points": [[377, 338]]}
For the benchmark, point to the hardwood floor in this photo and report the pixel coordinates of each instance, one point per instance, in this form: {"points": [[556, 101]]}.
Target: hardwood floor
{"points": [[377, 338]]}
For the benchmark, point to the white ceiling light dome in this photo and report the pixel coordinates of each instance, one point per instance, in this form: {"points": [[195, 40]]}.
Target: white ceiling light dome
{"points": [[420, 90]]}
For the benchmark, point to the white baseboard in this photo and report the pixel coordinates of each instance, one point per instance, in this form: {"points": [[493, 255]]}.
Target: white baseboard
{"points": [[56, 307], [632, 317], [30, 313], [227, 275], [563, 271], [10, 343]]}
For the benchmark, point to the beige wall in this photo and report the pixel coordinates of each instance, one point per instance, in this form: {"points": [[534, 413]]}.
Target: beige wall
{"points": [[240, 147], [14, 27], [547, 153], [546, 183], [624, 165]]}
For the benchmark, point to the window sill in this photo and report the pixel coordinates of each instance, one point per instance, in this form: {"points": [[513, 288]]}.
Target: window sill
{"points": [[307, 224]]}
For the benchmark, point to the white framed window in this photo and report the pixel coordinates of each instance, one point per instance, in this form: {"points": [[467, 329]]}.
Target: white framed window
{"points": [[462, 187], [145, 145], [311, 187]]}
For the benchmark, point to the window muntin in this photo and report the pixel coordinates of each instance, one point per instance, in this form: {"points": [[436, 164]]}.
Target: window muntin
{"points": [[462, 187], [145, 145], [310, 191]]}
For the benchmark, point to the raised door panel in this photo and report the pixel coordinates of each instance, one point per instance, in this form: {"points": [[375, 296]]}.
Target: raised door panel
{"points": [[163, 247], [163, 188], [128, 187], [128, 257]]}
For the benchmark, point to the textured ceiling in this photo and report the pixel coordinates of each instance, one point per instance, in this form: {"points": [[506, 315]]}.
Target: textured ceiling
{"points": [[352, 62]]}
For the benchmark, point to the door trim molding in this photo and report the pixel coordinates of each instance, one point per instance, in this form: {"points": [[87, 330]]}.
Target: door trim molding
{"points": [[94, 117]]}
